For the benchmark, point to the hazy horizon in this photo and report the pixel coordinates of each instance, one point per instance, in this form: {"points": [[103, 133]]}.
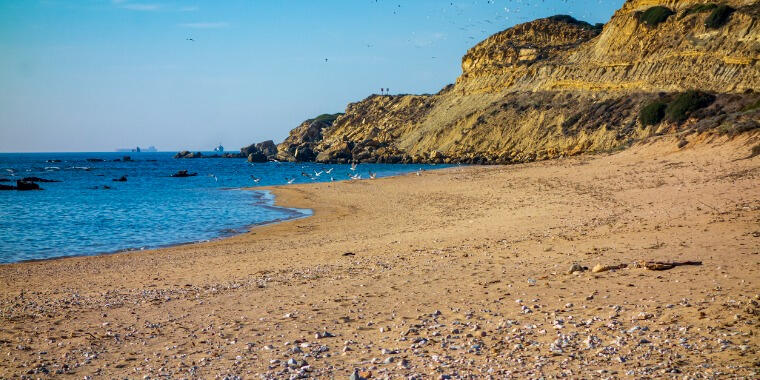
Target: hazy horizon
{"points": [[98, 75]]}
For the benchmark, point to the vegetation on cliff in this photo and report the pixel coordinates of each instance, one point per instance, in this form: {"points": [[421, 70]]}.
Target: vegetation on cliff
{"points": [[686, 103], [652, 113], [698, 8], [655, 15], [719, 16]]}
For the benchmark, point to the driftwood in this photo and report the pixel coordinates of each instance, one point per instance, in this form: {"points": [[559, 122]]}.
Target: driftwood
{"points": [[603, 268], [661, 265]]}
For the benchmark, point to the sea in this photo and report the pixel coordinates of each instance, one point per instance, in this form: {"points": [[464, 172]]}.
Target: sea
{"points": [[88, 213]]}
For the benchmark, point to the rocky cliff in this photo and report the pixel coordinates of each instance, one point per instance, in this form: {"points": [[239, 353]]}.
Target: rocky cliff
{"points": [[558, 86]]}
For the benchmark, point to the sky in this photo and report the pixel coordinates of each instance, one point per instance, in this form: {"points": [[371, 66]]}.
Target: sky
{"points": [[97, 75]]}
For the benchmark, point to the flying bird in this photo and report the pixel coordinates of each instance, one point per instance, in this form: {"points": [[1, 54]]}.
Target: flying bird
{"points": [[189, 39], [255, 179]]}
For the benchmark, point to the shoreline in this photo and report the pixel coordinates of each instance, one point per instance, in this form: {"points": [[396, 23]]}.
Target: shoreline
{"points": [[435, 272], [259, 201], [270, 203]]}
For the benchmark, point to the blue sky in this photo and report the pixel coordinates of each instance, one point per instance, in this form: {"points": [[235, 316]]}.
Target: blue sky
{"points": [[96, 75]]}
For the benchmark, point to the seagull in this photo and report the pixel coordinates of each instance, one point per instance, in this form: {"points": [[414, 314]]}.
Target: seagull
{"points": [[189, 39], [255, 179], [372, 175], [290, 180], [318, 173], [332, 179], [305, 175], [353, 166], [329, 171], [355, 176], [215, 179]]}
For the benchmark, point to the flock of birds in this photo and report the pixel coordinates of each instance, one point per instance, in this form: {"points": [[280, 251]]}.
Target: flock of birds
{"points": [[354, 174], [467, 16]]}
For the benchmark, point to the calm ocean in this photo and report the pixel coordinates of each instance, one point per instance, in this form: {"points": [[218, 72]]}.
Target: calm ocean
{"points": [[77, 216]]}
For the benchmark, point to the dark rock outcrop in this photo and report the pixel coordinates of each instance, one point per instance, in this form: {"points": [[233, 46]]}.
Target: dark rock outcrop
{"points": [[260, 152], [26, 185], [299, 145], [188, 154], [120, 179], [95, 160], [183, 174], [7, 187], [257, 157]]}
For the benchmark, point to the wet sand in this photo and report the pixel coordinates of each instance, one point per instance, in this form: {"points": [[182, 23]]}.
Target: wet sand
{"points": [[455, 273]]}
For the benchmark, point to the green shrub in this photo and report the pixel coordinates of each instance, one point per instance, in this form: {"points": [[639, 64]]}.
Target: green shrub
{"points": [[573, 21], [680, 108], [719, 17], [326, 117], [655, 15], [698, 8], [652, 113]]}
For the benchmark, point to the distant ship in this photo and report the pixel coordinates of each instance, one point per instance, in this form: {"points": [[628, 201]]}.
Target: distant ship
{"points": [[219, 149], [138, 149]]}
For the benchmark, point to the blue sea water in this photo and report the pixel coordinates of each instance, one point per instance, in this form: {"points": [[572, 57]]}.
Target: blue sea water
{"points": [[151, 209]]}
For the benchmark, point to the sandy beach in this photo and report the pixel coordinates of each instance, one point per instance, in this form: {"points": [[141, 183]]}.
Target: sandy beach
{"points": [[455, 273]]}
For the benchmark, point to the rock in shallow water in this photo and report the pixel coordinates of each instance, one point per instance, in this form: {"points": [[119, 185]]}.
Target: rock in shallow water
{"points": [[26, 185]]}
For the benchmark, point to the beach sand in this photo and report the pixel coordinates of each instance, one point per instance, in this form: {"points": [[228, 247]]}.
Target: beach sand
{"points": [[459, 272]]}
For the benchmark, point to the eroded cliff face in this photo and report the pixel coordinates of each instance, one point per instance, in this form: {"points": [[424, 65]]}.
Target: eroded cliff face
{"points": [[555, 87]]}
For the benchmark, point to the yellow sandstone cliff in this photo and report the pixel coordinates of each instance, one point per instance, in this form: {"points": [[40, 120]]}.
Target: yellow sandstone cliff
{"points": [[557, 86]]}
